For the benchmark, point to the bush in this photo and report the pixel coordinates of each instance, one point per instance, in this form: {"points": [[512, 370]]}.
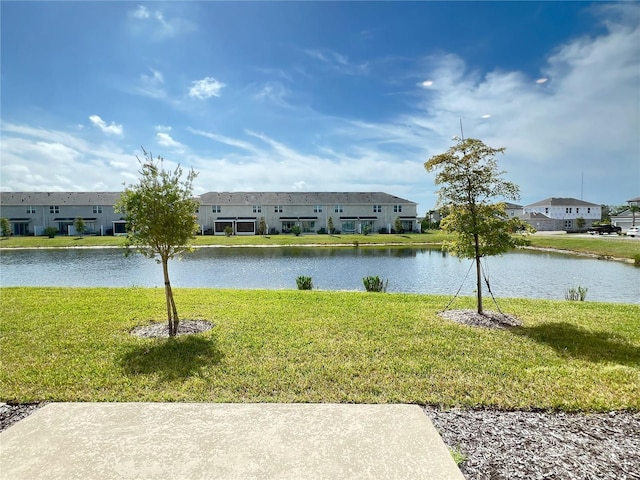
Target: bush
{"points": [[576, 294], [296, 230], [374, 284], [304, 283], [322, 231], [51, 232], [636, 259], [228, 231]]}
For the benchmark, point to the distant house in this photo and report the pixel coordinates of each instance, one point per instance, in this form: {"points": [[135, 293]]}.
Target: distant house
{"points": [[561, 214], [29, 213], [513, 210], [629, 217]]}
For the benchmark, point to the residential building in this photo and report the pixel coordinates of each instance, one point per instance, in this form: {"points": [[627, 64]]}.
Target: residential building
{"points": [[629, 217], [564, 214], [350, 212], [29, 213]]}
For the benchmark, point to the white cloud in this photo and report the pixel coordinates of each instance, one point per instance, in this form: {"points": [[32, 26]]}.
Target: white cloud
{"points": [[152, 84], [162, 128], [206, 88], [338, 62], [112, 129], [141, 12], [155, 24], [165, 140]]}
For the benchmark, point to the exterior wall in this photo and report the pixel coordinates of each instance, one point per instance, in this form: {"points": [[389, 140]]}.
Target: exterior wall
{"points": [[311, 218], [40, 217], [568, 212], [30, 212]]}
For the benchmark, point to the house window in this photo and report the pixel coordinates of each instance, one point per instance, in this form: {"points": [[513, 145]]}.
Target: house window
{"points": [[568, 210], [546, 210], [216, 208], [257, 209], [377, 208], [577, 209], [588, 209], [317, 209], [397, 208], [54, 209], [97, 209], [277, 209], [31, 209], [338, 209]]}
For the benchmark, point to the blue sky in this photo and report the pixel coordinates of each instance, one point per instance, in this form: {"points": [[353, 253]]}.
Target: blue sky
{"points": [[327, 96]]}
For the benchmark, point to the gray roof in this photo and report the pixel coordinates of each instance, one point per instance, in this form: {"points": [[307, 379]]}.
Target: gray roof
{"points": [[209, 198], [59, 198], [511, 206], [562, 202], [299, 198]]}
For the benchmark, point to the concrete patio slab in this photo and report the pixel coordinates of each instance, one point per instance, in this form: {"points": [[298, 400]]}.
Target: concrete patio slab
{"points": [[225, 441]]}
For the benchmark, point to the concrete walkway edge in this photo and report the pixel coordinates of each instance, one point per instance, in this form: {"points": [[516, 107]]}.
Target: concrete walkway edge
{"points": [[225, 441]]}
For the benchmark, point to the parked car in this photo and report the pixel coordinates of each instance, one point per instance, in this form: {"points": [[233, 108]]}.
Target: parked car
{"points": [[601, 229], [633, 231]]}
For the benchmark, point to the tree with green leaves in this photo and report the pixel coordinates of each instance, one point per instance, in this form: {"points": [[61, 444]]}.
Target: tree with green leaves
{"points": [[80, 225], [262, 226], [470, 182], [330, 226], [5, 226], [161, 221], [397, 225]]}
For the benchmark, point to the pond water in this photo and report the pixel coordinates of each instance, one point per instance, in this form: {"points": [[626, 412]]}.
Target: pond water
{"points": [[414, 270]]}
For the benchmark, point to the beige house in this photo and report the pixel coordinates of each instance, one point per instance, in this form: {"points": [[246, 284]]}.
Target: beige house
{"points": [[29, 213]]}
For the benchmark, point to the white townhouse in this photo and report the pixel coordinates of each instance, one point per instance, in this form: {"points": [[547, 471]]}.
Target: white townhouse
{"points": [[629, 217], [561, 214], [350, 212], [29, 213]]}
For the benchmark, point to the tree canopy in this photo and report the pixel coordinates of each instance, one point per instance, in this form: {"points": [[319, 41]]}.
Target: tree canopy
{"points": [[470, 183], [160, 214]]}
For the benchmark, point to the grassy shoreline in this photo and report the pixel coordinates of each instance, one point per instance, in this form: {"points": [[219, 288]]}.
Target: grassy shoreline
{"points": [[605, 248], [73, 344]]}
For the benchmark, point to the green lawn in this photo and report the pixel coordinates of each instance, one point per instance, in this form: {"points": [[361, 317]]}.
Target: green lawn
{"points": [[606, 246], [72, 344], [620, 247]]}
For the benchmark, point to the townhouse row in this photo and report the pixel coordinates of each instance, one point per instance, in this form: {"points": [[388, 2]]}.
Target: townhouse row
{"points": [[29, 213]]}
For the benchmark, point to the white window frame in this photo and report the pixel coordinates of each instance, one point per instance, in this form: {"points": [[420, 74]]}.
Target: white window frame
{"points": [[397, 209], [97, 209], [216, 208], [317, 209], [257, 209], [377, 209], [54, 209], [338, 209], [31, 210]]}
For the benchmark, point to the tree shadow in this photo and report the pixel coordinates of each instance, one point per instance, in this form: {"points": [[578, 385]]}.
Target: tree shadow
{"points": [[172, 358], [571, 341]]}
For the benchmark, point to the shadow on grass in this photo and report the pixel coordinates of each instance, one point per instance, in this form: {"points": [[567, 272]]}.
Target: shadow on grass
{"points": [[574, 342], [173, 359]]}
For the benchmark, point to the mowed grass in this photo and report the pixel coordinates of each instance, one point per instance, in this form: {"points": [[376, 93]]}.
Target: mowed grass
{"points": [[73, 344], [619, 247], [603, 246], [432, 237]]}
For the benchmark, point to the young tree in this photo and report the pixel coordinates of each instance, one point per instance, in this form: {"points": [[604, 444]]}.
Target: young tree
{"points": [[262, 226], [159, 211], [80, 226], [330, 226], [5, 226], [470, 181]]}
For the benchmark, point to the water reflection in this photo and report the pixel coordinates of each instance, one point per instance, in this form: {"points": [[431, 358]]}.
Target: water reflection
{"points": [[415, 270]]}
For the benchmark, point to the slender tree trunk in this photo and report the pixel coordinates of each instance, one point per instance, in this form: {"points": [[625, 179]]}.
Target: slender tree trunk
{"points": [[172, 314], [478, 272]]}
